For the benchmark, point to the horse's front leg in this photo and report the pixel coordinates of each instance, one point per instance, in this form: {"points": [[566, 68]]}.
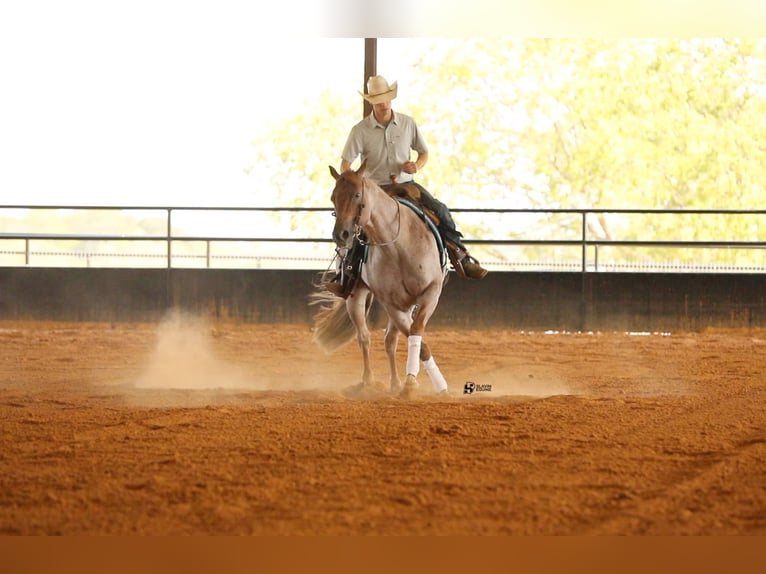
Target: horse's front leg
{"points": [[391, 342], [356, 305], [419, 352]]}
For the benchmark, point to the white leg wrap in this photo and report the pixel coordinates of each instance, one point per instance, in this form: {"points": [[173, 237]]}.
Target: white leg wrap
{"points": [[435, 374], [413, 354]]}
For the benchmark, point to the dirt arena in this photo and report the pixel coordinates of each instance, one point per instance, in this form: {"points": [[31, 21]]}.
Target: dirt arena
{"points": [[190, 427]]}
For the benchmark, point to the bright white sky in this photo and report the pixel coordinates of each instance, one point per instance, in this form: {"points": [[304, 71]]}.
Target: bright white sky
{"points": [[156, 102], [148, 102]]}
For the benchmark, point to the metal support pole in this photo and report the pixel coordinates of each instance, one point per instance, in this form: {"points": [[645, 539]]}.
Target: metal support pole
{"points": [[168, 237], [370, 69], [584, 271], [584, 237]]}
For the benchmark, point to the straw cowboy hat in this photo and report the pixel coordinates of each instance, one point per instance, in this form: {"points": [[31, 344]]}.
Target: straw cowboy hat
{"points": [[379, 91]]}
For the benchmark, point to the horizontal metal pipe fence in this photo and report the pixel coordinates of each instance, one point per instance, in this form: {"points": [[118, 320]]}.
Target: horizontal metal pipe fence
{"points": [[583, 241]]}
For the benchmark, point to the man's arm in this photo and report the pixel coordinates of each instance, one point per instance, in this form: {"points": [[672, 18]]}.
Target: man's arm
{"points": [[412, 167], [421, 160]]}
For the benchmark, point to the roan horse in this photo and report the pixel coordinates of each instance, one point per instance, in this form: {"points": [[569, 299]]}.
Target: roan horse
{"points": [[404, 271]]}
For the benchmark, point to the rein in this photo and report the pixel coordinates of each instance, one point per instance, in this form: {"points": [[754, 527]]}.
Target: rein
{"points": [[358, 228]]}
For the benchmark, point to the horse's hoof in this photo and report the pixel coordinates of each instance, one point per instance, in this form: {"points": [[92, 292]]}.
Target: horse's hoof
{"points": [[410, 388]]}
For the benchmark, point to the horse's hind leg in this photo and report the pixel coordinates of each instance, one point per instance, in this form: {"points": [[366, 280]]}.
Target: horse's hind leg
{"points": [[391, 342], [432, 369]]}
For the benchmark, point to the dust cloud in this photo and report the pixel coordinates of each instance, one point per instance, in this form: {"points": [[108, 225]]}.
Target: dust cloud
{"points": [[184, 358], [185, 368]]}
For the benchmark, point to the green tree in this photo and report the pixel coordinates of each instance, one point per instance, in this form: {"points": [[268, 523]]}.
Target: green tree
{"points": [[570, 123]]}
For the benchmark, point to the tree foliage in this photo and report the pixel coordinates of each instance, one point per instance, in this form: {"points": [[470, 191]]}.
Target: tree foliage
{"points": [[569, 123]]}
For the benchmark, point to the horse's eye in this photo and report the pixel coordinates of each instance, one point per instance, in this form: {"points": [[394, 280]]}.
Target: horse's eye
{"points": [[357, 195]]}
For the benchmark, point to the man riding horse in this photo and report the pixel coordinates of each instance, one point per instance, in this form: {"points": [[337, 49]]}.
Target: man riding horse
{"points": [[384, 140]]}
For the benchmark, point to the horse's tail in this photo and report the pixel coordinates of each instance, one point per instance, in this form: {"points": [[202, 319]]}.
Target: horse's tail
{"points": [[332, 325]]}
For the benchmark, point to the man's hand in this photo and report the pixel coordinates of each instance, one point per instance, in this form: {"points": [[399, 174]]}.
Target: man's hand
{"points": [[410, 167]]}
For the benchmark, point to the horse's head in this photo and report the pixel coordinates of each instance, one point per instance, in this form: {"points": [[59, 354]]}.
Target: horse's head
{"points": [[348, 200]]}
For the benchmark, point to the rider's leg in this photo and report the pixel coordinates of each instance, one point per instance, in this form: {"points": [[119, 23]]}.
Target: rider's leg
{"points": [[464, 264], [348, 271]]}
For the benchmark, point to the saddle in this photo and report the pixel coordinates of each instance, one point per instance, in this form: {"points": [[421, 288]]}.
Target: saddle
{"points": [[411, 192]]}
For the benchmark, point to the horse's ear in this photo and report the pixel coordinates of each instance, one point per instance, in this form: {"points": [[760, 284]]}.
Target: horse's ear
{"points": [[334, 173], [360, 171]]}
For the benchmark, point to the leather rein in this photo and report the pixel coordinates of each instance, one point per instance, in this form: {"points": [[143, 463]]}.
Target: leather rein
{"points": [[358, 228]]}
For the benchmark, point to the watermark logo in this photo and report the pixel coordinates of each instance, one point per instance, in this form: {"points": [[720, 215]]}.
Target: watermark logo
{"points": [[470, 388]]}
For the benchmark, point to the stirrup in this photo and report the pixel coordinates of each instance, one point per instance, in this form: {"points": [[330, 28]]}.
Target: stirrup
{"points": [[458, 266], [466, 266], [472, 269]]}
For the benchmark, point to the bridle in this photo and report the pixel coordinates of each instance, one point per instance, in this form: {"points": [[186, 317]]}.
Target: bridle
{"points": [[358, 228]]}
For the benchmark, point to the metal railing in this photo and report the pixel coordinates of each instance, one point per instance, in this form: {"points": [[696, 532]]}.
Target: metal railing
{"points": [[579, 237]]}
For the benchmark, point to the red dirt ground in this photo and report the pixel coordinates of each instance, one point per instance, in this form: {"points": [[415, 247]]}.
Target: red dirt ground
{"points": [[187, 427]]}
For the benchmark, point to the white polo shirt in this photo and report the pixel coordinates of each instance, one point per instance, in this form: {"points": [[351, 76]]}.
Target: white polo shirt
{"points": [[385, 148]]}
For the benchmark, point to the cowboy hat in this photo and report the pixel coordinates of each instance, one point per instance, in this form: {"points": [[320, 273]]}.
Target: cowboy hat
{"points": [[379, 91]]}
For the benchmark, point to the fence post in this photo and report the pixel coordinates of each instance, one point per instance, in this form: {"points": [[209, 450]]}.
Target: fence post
{"points": [[583, 273], [168, 239]]}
